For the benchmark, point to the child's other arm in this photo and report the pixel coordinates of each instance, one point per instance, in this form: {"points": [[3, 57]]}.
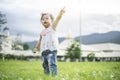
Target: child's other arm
{"points": [[37, 46], [58, 18]]}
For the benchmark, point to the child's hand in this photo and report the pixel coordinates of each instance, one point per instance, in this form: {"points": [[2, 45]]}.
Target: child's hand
{"points": [[63, 10], [34, 50]]}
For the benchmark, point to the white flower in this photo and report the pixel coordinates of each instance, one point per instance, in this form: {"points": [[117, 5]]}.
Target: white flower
{"points": [[111, 75], [62, 79], [20, 78]]}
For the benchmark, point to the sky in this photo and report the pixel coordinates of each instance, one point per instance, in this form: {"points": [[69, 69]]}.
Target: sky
{"points": [[82, 17]]}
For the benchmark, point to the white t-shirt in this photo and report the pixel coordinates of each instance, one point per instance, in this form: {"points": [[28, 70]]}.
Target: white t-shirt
{"points": [[49, 39]]}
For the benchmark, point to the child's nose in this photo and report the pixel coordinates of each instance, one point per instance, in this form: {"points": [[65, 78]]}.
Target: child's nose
{"points": [[45, 20]]}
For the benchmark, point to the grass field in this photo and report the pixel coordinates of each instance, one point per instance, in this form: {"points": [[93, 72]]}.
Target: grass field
{"points": [[26, 70]]}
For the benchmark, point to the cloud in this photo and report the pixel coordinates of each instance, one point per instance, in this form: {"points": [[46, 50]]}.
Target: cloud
{"points": [[25, 38], [24, 16], [100, 6], [100, 23]]}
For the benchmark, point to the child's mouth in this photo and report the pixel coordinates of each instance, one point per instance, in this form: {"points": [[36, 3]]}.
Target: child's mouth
{"points": [[45, 22]]}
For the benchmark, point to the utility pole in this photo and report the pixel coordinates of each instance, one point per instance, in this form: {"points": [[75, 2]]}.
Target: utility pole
{"points": [[80, 34]]}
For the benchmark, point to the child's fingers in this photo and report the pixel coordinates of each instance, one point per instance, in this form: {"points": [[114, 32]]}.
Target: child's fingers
{"points": [[34, 50], [63, 10]]}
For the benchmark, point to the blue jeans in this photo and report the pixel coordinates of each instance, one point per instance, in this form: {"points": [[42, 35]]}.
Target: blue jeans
{"points": [[49, 62]]}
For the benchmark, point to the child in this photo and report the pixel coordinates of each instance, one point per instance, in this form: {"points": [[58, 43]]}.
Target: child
{"points": [[48, 42]]}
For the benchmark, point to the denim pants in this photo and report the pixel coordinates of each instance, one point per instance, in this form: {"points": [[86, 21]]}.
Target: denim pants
{"points": [[49, 59]]}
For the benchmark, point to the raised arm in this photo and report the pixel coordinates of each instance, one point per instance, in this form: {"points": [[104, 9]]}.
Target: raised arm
{"points": [[58, 18]]}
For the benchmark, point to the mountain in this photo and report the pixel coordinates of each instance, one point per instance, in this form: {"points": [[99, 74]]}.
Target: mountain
{"points": [[61, 39], [110, 37], [33, 43]]}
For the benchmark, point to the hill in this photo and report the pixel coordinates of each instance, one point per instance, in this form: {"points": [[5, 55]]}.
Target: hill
{"points": [[110, 37]]}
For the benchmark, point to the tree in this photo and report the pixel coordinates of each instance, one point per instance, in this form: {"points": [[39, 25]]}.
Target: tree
{"points": [[73, 52], [3, 21], [25, 46], [3, 28]]}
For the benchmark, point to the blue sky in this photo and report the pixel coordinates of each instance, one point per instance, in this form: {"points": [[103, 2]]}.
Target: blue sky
{"points": [[23, 16]]}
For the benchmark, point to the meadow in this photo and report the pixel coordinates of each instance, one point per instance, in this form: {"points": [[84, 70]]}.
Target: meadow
{"points": [[32, 70]]}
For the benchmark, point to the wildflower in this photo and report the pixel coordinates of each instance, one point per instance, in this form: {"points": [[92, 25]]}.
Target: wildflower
{"points": [[62, 79], [20, 78], [111, 75]]}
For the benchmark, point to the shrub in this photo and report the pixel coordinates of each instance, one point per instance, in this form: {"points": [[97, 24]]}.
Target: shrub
{"points": [[73, 52], [90, 56]]}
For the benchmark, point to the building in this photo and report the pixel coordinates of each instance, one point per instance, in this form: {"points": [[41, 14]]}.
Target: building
{"points": [[105, 51]]}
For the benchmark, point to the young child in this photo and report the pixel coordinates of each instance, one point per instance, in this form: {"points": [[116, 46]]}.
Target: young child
{"points": [[48, 42]]}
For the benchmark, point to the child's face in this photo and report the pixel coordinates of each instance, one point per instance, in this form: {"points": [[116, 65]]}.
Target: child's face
{"points": [[46, 21]]}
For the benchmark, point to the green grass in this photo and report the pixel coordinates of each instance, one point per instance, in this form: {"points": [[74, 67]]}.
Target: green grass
{"points": [[26, 70]]}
